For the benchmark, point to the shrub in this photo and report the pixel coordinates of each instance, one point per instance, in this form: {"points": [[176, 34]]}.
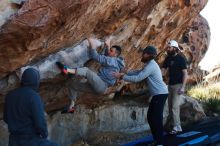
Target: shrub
{"points": [[209, 96], [212, 105]]}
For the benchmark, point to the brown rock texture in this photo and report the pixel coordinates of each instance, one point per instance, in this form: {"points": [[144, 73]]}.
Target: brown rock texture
{"points": [[195, 42], [43, 27]]}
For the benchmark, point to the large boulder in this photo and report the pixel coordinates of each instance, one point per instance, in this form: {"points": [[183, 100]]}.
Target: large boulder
{"points": [[127, 115], [39, 32], [41, 27]]}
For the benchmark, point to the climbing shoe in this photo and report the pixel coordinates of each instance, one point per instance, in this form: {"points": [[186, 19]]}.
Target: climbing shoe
{"points": [[67, 110], [63, 68]]}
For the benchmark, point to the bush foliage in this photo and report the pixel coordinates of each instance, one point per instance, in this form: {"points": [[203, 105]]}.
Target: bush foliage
{"points": [[209, 96]]}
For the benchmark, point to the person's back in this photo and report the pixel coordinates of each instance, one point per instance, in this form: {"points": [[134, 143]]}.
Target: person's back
{"points": [[19, 103], [24, 114]]}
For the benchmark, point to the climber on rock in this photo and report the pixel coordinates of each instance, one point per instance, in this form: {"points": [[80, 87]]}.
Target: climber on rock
{"points": [[151, 73], [97, 83]]}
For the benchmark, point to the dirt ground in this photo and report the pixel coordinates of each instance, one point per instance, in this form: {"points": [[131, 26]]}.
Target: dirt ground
{"points": [[110, 139]]}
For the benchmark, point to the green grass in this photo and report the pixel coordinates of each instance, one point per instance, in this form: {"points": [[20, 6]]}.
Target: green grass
{"points": [[209, 96]]}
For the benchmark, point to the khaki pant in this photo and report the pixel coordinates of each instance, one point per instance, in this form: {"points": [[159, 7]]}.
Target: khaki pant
{"points": [[174, 102]]}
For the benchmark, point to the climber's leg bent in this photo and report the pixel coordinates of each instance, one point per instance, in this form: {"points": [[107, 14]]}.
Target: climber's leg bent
{"points": [[94, 85], [93, 79]]}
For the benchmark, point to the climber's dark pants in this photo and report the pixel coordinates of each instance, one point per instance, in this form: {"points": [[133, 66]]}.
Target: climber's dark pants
{"points": [[155, 116]]}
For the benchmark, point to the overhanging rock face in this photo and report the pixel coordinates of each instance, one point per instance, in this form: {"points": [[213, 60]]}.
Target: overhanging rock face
{"points": [[40, 32], [39, 29], [43, 27]]}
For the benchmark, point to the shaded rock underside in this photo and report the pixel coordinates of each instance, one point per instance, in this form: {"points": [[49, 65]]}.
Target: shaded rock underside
{"points": [[41, 27]]}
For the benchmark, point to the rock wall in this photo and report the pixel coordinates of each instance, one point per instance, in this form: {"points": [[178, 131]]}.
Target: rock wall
{"points": [[39, 29], [121, 116], [195, 41], [39, 32], [43, 27]]}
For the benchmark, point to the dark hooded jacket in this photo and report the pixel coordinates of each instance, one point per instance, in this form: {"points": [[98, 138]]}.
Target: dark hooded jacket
{"points": [[23, 110]]}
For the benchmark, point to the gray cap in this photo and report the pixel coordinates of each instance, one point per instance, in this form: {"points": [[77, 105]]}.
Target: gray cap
{"points": [[150, 50]]}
